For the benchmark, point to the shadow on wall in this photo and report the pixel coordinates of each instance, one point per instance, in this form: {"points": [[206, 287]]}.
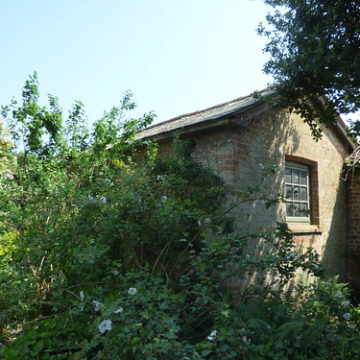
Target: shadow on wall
{"points": [[251, 161], [333, 208], [334, 251], [353, 238], [251, 158]]}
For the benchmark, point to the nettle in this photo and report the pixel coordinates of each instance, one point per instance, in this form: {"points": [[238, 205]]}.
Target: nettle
{"points": [[105, 257]]}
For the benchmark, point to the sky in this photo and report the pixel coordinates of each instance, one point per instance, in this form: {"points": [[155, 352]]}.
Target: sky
{"points": [[175, 56]]}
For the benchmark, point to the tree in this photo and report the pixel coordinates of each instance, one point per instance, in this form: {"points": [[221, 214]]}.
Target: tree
{"points": [[315, 57], [105, 257]]}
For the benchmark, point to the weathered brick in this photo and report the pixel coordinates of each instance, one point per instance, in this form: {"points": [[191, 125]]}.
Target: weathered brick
{"points": [[238, 155]]}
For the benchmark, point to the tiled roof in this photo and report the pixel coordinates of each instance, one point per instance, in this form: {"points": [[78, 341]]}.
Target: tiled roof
{"points": [[202, 116], [218, 115]]}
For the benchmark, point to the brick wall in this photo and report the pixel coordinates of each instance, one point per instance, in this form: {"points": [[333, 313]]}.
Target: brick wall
{"points": [[353, 253], [238, 155]]}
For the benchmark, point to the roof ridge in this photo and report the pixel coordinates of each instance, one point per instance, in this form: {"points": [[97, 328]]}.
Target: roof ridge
{"points": [[206, 109]]}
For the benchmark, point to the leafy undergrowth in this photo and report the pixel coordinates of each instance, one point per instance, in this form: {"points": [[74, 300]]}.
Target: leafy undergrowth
{"points": [[107, 258]]}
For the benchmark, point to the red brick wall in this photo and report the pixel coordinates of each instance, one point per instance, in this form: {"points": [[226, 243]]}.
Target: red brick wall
{"points": [[353, 246], [238, 154]]}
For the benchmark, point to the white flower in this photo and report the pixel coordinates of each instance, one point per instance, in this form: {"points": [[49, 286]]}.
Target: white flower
{"points": [[97, 305], [207, 221], [90, 197], [164, 198], [212, 335], [103, 199], [347, 316], [346, 304], [115, 272], [159, 177], [119, 310], [82, 296], [109, 146], [199, 222], [108, 181], [132, 291], [105, 325], [339, 295], [245, 339], [261, 166]]}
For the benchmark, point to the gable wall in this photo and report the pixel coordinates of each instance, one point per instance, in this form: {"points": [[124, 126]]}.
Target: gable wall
{"points": [[329, 153], [239, 155], [353, 251]]}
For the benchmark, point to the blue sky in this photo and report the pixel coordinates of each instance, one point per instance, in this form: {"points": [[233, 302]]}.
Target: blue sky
{"points": [[176, 56]]}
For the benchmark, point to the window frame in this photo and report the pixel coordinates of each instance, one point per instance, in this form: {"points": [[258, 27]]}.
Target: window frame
{"points": [[303, 168], [313, 188]]}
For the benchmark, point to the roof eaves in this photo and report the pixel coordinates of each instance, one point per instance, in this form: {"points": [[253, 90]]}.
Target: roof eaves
{"points": [[195, 121], [343, 130]]}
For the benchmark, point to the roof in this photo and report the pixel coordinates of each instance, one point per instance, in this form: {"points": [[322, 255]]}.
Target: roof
{"points": [[202, 118], [222, 115]]}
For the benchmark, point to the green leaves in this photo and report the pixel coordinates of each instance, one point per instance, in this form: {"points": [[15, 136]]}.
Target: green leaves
{"points": [[103, 257], [314, 48]]}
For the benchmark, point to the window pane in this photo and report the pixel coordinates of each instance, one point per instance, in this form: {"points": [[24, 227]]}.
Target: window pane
{"points": [[303, 193], [288, 192], [289, 209], [303, 178], [296, 193], [304, 209], [288, 175], [295, 176]]}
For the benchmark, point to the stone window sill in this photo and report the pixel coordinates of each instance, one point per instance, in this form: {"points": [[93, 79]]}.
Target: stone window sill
{"points": [[303, 228]]}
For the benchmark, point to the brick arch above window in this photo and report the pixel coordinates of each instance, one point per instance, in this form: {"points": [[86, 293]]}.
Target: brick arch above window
{"points": [[313, 185]]}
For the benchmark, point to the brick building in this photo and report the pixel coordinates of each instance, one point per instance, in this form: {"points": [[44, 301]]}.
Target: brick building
{"points": [[242, 138]]}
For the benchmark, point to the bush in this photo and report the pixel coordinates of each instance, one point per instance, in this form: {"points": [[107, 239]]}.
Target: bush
{"points": [[108, 258]]}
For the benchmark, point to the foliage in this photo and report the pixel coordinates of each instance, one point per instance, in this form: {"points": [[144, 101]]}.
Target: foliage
{"points": [[314, 48], [104, 257]]}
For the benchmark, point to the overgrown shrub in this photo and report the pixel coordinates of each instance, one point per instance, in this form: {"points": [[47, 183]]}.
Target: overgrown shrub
{"points": [[107, 258]]}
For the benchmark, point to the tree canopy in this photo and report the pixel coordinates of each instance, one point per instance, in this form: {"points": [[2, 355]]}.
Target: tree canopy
{"points": [[315, 53]]}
